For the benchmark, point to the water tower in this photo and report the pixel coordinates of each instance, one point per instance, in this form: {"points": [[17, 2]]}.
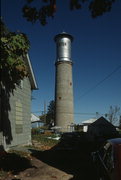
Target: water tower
{"points": [[64, 117]]}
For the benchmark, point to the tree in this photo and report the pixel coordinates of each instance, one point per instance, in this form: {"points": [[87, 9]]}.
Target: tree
{"points": [[43, 118], [50, 114], [13, 46], [120, 122], [48, 8], [78, 127], [114, 115]]}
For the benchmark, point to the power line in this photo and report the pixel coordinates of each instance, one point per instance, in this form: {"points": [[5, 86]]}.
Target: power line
{"points": [[100, 82], [78, 113], [88, 91]]}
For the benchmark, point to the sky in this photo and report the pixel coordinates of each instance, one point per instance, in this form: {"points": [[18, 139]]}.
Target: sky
{"points": [[96, 54]]}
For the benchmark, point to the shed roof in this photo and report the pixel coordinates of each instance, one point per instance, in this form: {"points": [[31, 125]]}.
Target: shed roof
{"points": [[101, 126]]}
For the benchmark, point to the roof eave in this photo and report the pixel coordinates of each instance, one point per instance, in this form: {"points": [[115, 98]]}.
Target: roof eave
{"points": [[31, 73]]}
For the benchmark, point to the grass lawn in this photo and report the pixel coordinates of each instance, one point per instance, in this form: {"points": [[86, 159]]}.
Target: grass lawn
{"points": [[46, 139]]}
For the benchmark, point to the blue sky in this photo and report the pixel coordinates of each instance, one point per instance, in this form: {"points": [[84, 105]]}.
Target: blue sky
{"points": [[96, 53]]}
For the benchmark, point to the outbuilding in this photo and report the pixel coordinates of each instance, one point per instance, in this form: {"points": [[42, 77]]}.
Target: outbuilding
{"points": [[15, 123]]}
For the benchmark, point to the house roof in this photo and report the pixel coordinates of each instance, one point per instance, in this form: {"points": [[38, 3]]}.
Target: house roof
{"points": [[102, 121], [89, 121], [34, 118], [31, 73]]}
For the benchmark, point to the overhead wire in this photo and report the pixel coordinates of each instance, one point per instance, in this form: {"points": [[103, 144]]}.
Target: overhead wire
{"points": [[77, 113], [100, 82], [88, 91]]}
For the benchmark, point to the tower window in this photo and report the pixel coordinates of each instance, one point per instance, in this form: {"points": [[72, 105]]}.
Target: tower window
{"points": [[61, 44]]}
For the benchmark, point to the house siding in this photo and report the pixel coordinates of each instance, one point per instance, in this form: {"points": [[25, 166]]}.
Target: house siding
{"points": [[20, 114], [1, 138]]}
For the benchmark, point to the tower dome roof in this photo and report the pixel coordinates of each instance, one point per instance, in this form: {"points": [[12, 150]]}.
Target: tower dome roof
{"points": [[63, 34]]}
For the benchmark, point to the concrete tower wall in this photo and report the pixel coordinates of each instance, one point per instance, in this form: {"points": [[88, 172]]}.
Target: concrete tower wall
{"points": [[64, 95], [64, 86]]}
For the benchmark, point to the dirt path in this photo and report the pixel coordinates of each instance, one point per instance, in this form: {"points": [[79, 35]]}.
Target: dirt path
{"points": [[38, 170], [51, 164], [42, 171]]}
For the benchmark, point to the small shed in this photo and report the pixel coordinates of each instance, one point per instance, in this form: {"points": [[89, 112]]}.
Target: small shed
{"points": [[102, 129], [86, 123]]}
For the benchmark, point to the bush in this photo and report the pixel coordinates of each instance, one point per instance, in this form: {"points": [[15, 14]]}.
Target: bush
{"points": [[36, 131]]}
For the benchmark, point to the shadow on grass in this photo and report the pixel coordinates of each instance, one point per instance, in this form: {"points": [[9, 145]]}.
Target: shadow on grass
{"points": [[77, 162], [14, 163]]}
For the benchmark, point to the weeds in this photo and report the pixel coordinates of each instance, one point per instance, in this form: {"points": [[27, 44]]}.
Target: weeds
{"points": [[44, 139]]}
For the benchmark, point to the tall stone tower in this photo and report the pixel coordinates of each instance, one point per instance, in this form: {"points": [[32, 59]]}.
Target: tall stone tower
{"points": [[64, 117]]}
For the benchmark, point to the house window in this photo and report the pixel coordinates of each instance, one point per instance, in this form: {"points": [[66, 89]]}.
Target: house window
{"points": [[19, 118]]}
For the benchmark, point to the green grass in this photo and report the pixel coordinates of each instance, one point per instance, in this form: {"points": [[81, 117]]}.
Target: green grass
{"points": [[2, 174], [120, 131], [43, 139]]}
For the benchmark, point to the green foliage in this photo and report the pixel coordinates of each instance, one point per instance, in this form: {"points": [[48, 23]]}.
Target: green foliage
{"points": [[50, 114], [33, 14], [3, 174], [78, 127], [47, 9], [14, 46], [35, 131], [114, 115], [120, 122], [43, 139], [38, 130], [99, 7], [43, 118], [44, 127], [49, 118]]}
